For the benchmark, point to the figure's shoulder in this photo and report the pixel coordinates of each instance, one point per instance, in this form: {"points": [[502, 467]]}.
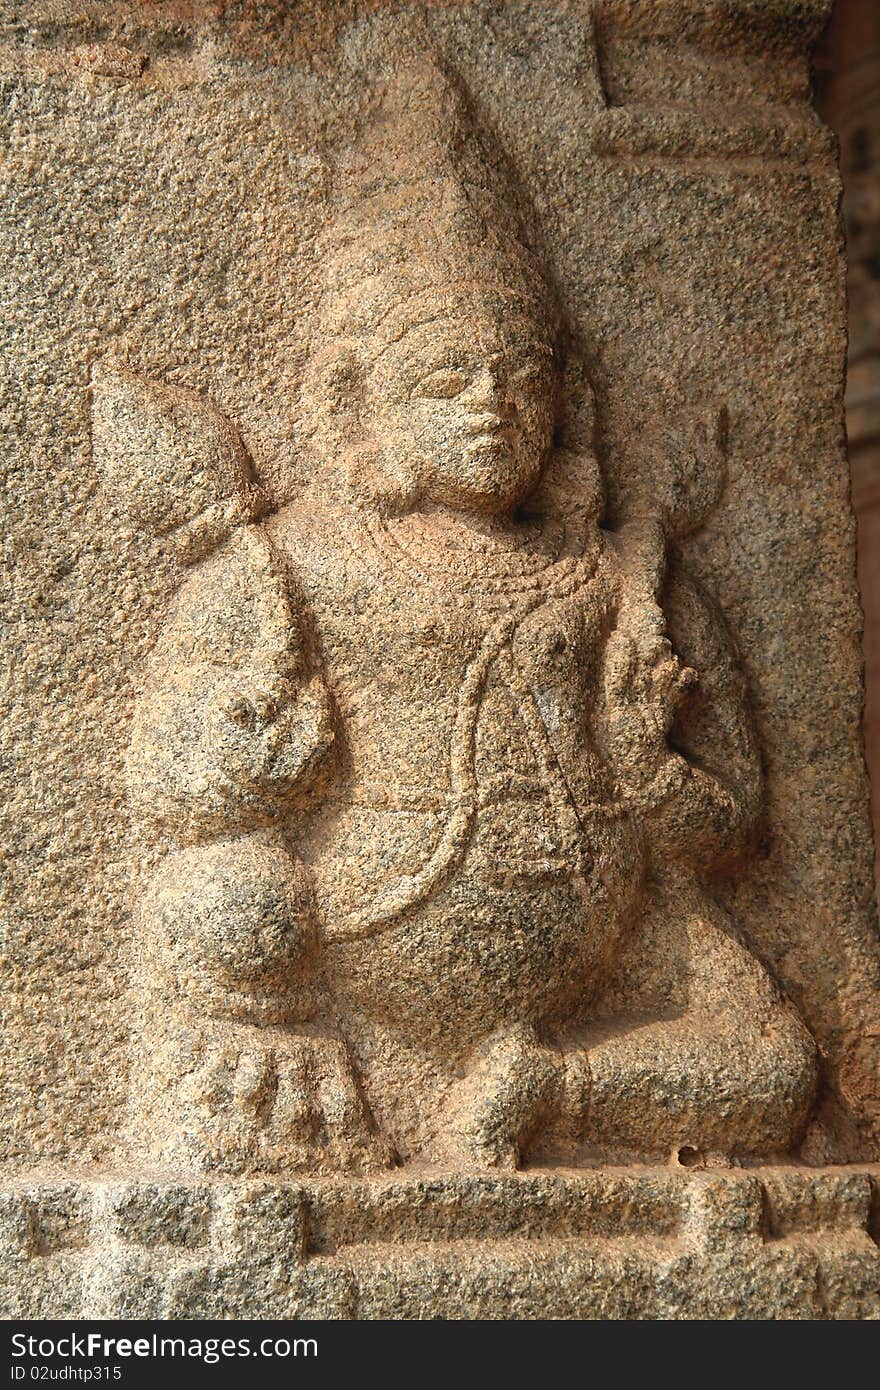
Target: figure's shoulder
{"points": [[222, 601], [307, 530]]}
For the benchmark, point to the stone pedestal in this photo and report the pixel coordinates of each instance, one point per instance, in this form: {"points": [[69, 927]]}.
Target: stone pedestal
{"points": [[619, 1243]]}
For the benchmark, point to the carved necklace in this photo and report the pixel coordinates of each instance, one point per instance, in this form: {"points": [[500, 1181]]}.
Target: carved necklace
{"points": [[542, 558]]}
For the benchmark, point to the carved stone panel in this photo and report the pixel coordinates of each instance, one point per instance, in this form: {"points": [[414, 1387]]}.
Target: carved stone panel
{"points": [[433, 706]]}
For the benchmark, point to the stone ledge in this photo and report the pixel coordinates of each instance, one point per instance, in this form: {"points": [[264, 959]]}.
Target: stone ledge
{"points": [[610, 1243]]}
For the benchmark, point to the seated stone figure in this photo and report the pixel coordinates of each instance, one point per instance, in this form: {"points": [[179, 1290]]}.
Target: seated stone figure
{"points": [[441, 767]]}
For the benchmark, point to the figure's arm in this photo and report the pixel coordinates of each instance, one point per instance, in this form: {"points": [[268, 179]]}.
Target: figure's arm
{"points": [[695, 1046], [232, 718], [713, 733], [233, 721], [674, 718]]}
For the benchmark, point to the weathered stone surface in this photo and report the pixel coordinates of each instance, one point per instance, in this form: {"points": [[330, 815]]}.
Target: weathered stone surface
{"points": [[650, 1243], [433, 714], [848, 81]]}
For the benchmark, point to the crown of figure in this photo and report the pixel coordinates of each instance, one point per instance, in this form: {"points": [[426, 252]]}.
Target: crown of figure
{"points": [[424, 204]]}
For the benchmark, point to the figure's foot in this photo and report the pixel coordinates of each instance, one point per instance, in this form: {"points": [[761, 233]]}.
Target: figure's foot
{"points": [[511, 1090], [249, 1100]]}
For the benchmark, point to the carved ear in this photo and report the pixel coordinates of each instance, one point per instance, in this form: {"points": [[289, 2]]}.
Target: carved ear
{"points": [[331, 395], [168, 457]]}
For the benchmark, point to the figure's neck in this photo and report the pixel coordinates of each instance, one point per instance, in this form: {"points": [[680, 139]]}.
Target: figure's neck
{"points": [[492, 526]]}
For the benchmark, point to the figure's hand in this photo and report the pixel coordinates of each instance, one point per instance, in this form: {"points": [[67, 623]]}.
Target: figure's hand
{"points": [[244, 726], [645, 685], [270, 732], [251, 707]]}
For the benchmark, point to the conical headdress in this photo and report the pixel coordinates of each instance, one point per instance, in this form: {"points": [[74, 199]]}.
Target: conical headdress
{"points": [[424, 202]]}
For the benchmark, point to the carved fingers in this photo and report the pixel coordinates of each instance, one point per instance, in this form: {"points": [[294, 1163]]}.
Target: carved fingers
{"points": [[268, 733], [250, 706], [644, 686]]}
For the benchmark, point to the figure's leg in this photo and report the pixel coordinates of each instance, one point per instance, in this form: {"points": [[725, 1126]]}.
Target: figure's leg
{"points": [[511, 1088], [229, 963], [730, 1069]]}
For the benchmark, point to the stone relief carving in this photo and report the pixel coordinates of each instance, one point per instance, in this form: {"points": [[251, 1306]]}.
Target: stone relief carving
{"points": [[433, 766]]}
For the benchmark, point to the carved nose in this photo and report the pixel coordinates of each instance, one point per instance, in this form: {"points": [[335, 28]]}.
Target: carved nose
{"points": [[486, 391], [487, 422], [489, 406]]}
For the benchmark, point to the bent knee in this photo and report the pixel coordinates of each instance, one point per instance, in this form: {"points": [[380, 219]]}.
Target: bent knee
{"points": [[783, 1080]]}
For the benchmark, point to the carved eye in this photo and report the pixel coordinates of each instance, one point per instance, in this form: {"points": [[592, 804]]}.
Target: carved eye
{"points": [[442, 385]]}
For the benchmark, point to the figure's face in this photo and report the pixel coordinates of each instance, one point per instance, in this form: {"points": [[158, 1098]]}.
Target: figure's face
{"points": [[465, 405]]}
